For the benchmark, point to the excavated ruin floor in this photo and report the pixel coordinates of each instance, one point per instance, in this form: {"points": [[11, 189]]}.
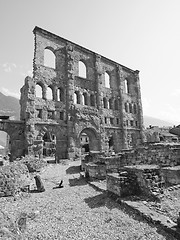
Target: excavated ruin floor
{"points": [[76, 211]]}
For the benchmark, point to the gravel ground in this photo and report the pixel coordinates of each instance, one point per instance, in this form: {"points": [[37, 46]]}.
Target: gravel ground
{"points": [[76, 211]]}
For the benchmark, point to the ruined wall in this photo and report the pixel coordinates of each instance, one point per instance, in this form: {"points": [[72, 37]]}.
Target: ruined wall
{"points": [[104, 103], [158, 154], [15, 130]]}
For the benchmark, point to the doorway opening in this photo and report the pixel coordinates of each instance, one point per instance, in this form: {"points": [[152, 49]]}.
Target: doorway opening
{"points": [[49, 145]]}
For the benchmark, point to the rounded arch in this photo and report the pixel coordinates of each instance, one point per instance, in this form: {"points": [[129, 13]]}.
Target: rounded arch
{"points": [[77, 97], [93, 139], [49, 93], [82, 69], [60, 94], [49, 58], [84, 98]]}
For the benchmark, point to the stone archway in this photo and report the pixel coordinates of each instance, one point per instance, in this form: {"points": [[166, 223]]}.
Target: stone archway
{"points": [[93, 140]]}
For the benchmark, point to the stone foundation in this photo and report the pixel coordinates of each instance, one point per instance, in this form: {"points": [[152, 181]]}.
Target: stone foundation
{"points": [[95, 171]]}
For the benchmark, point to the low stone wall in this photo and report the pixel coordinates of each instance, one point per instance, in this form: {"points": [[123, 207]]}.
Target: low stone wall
{"points": [[146, 179], [149, 178], [95, 171], [13, 178], [122, 184], [158, 154], [171, 175]]}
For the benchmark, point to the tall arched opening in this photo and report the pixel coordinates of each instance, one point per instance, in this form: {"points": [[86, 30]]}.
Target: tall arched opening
{"points": [[89, 140]]}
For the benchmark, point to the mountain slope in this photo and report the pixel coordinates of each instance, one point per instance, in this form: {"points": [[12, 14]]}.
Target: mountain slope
{"points": [[9, 106], [156, 122]]}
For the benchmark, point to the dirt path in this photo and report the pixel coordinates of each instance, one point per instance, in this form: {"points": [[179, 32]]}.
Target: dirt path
{"points": [[77, 211]]}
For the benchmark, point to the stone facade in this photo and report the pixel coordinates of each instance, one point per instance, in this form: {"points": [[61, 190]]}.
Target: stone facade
{"points": [[105, 103]]}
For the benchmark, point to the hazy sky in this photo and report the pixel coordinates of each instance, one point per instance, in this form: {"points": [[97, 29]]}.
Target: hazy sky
{"points": [[140, 34]]}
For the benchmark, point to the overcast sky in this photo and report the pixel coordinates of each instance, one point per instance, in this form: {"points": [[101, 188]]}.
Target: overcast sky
{"points": [[140, 34]]}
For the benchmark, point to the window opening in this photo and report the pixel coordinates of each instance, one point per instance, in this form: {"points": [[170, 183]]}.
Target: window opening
{"points": [[126, 107], [61, 116], [105, 104], [126, 83], [84, 99], [82, 69], [135, 109], [49, 93], [116, 104], [130, 108], [49, 58], [77, 98], [111, 120], [39, 113], [38, 91], [60, 94], [50, 115], [105, 120], [92, 100], [110, 104], [107, 80]]}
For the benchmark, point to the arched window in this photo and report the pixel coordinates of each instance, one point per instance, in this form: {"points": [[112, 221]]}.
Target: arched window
{"points": [[77, 98], [49, 93], [130, 108], [105, 104], [82, 69], [135, 109], [107, 80], [60, 94], [92, 100], [110, 104], [84, 99], [49, 58], [38, 91], [116, 104], [126, 107], [126, 86]]}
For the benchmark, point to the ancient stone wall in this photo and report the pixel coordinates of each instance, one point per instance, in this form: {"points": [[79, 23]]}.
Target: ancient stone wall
{"points": [[104, 103], [15, 130]]}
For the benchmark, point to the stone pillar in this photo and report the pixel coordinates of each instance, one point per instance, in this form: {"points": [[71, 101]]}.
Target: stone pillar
{"points": [[98, 74], [99, 97], [70, 98], [121, 107], [139, 108]]}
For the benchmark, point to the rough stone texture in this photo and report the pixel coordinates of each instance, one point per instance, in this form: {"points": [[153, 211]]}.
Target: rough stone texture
{"points": [[122, 184], [149, 178], [95, 171], [64, 118], [171, 175], [13, 178]]}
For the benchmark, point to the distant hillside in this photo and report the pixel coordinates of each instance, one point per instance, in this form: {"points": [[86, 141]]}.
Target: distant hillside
{"points": [[156, 122], [9, 105]]}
